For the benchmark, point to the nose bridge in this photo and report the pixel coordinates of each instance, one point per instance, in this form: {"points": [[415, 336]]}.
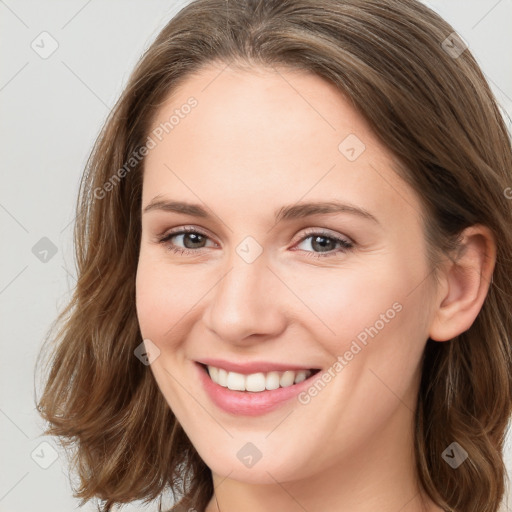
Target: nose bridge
{"points": [[240, 304]]}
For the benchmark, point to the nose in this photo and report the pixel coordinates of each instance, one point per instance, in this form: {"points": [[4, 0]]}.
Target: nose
{"points": [[246, 303]]}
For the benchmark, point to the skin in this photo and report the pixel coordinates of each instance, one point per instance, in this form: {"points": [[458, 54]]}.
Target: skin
{"points": [[260, 139]]}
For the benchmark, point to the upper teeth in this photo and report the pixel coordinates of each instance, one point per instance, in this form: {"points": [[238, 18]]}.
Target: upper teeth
{"points": [[256, 381]]}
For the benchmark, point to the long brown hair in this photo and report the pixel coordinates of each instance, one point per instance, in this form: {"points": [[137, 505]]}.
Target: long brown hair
{"points": [[428, 103]]}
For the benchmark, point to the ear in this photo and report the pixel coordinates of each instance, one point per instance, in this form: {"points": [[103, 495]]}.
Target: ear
{"points": [[465, 283]]}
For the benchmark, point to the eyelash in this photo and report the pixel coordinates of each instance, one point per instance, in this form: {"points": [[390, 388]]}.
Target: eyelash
{"points": [[345, 245]]}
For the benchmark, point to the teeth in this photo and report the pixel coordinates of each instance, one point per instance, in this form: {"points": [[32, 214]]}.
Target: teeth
{"points": [[256, 382]]}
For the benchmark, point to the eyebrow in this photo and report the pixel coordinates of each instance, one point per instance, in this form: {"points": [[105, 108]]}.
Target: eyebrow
{"points": [[290, 212]]}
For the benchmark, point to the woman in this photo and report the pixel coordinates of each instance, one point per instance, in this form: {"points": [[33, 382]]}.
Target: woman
{"points": [[339, 337]]}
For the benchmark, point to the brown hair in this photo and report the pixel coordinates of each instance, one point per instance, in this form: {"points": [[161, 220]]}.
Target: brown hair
{"points": [[433, 109]]}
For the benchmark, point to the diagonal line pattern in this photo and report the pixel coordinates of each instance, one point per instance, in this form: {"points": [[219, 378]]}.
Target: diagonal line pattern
{"points": [[13, 217], [72, 220], [391, 391], [308, 191], [410, 501], [422, 281], [85, 84], [198, 197], [291, 496], [13, 487], [217, 486], [76, 14], [281, 422], [217, 76], [301, 301], [14, 423], [199, 403], [13, 13], [412, 206], [13, 279], [14, 76], [69, 273], [486, 14], [198, 301], [303, 98], [497, 87]]}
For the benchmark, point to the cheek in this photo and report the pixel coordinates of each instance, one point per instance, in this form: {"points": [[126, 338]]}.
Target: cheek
{"points": [[341, 303], [374, 317], [163, 298], [382, 347]]}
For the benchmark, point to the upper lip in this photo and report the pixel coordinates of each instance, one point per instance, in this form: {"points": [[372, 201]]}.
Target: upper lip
{"points": [[252, 366]]}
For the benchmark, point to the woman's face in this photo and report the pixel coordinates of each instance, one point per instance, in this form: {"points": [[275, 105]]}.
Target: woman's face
{"points": [[266, 278]]}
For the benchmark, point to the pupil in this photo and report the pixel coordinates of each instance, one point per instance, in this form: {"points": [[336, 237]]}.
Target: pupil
{"points": [[195, 239], [322, 245]]}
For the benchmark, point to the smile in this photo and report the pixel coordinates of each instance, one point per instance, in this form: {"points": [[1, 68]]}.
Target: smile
{"points": [[257, 382], [249, 398]]}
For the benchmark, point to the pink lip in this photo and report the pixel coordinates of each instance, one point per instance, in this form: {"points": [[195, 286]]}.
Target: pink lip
{"points": [[252, 367], [246, 403]]}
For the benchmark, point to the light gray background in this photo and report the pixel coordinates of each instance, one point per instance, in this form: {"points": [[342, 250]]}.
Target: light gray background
{"points": [[50, 113]]}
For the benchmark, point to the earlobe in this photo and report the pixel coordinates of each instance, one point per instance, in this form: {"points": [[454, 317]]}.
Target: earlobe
{"points": [[466, 284]]}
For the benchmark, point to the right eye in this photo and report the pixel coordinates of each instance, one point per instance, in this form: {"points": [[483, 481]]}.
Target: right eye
{"points": [[189, 236]]}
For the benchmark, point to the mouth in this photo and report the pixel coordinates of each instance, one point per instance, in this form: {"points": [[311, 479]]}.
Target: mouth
{"points": [[257, 382], [247, 394]]}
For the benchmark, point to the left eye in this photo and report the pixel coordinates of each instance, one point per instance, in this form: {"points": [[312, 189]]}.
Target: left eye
{"points": [[326, 244], [195, 240]]}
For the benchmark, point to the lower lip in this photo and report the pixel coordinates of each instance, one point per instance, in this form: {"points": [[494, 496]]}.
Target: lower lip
{"points": [[246, 403]]}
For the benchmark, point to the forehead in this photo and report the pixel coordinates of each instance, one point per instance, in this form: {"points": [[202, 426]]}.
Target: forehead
{"points": [[281, 107], [276, 135]]}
